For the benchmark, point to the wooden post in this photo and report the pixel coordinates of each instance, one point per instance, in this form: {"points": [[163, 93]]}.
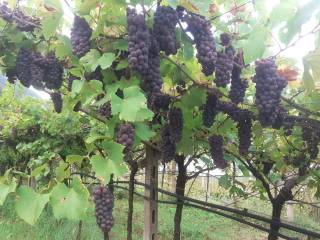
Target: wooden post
{"points": [[151, 206]]}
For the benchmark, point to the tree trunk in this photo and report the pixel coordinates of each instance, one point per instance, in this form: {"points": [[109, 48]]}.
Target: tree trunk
{"points": [[276, 216], [134, 169], [180, 190]]}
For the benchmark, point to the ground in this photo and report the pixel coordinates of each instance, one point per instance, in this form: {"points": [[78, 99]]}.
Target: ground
{"points": [[196, 225]]}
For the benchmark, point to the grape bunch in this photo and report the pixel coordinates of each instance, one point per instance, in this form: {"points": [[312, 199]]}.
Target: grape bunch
{"points": [[244, 132], [23, 61], [57, 101], [269, 86], [158, 101], [105, 110], [175, 117], [104, 203], [165, 21], [138, 40], [210, 109], [167, 146], [216, 150], [225, 39], [312, 139], [125, 137], [11, 74], [200, 28], [80, 36], [224, 66], [54, 72], [238, 85], [95, 75], [21, 20]]}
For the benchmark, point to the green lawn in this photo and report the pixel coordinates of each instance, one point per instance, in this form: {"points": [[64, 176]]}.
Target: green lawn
{"points": [[196, 225]]}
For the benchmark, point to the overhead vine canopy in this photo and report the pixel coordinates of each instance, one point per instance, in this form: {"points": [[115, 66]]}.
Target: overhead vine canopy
{"points": [[190, 78]]}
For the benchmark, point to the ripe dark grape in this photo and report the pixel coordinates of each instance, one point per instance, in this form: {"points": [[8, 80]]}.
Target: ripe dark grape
{"points": [[157, 101], [21, 20], [125, 136], [168, 147], [216, 150], [104, 203], [71, 78], [269, 86], [138, 40], [210, 109], [244, 132], [200, 28], [175, 117], [11, 74], [165, 21], [96, 75], [53, 78], [238, 85], [224, 66], [312, 138], [105, 110], [225, 39], [23, 62], [80, 36], [37, 75], [57, 101]]}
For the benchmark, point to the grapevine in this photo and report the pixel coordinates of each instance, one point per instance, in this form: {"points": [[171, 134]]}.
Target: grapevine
{"points": [[224, 66], [125, 136], [80, 36], [57, 101], [210, 109]]}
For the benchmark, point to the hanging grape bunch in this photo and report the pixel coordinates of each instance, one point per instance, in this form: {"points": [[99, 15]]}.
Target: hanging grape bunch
{"points": [[125, 137], [57, 101], [167, 145], [224, 66], [238, 85], [244, 132], [269, 86], [138, 41], [175, 117], [104, 203], [80, 37], [105, 110], [210, 109], [54, 72], [216, 150], [165, 21], [312, 139], [21, 20], [23, 61], [200, 29]]}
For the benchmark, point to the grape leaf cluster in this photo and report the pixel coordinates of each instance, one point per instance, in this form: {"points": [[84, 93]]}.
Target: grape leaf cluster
{"points": [[57, 101], [80, 37], [104, 203], [34, 69], [210, 109], [125, 137], [200, 28], [224, 66], [165, 21], [22, 21], [216, 150], [269, 86], [138, 41], [238, 85]]}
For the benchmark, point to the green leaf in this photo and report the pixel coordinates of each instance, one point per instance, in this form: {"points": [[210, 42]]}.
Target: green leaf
{"points": [[50, 24], [91, 60], [225, 182], [255, 45], [62, 171], [53, 4], [114, 151], [84, 7], [76, 87], [106, 60], [105, 167], [143, 131], [74, 159], [71, 203], [307, 77], [5, 190], [30, 204], [38, 170]]}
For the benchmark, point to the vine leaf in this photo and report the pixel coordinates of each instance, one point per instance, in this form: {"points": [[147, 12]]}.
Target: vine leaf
{"points": [[30, 204], [90, 61], [62, 171], [113, 164], [74, 159], [143, 131], [105, 61], [71, 203], [5, 189]]}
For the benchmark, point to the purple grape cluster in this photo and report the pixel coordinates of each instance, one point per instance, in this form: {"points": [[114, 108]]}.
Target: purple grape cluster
{"points": [[244, 132], [238, 85], [210, 109], [312, 139], [80, 37], [216, 150], [105, 110], [224, 66], [21, 20], [269, 86], [200, 28], [225, 39], [167, 145], [57, 101], [165, 21], [138, 40], [104, 203], [23, 62], [125, 137], [175, 117]]}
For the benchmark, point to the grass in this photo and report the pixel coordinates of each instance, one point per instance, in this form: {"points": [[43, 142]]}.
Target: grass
{"points": [[196, 225]]}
